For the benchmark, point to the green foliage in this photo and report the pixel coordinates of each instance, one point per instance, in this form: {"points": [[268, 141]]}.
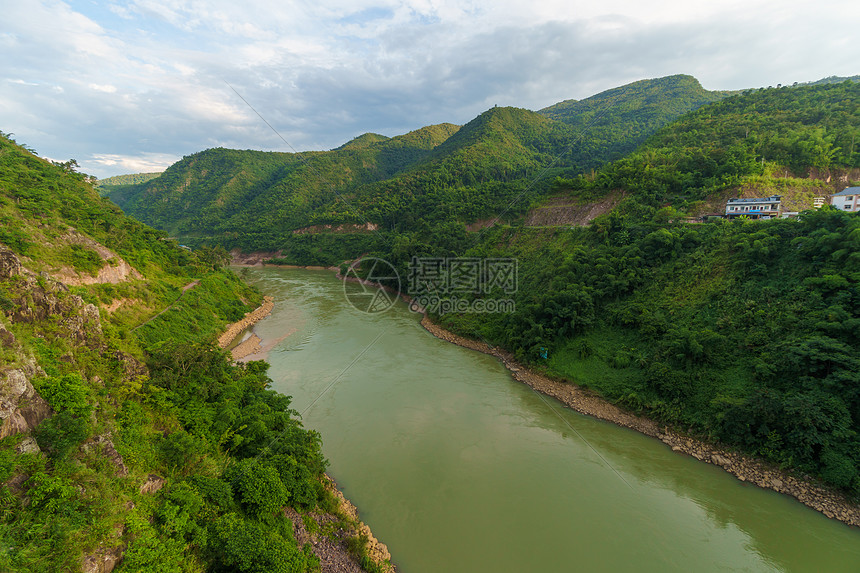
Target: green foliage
{"points": [[739, 139], [249, 547], [62, 434], [83, 259], [745, 331], [129, 179], [67, 393], [187, 417], [616, 121], [259, 488]]}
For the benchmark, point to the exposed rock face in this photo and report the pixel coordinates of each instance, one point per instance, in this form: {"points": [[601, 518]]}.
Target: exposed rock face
{"points": [[115, 270], [28, 446], [103, 561], [21, 407], [250, 319], [7, 339], [43, 298], [108, 450], [152, 484], [10, 266]]}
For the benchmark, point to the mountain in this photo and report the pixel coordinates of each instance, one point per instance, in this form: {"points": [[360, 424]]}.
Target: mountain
{"points": [[129, 179], [496, 164], [613, 123], [763, 142], [127, 438]]}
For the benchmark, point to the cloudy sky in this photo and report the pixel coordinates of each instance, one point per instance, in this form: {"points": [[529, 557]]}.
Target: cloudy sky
{"points": [[132, 86]]}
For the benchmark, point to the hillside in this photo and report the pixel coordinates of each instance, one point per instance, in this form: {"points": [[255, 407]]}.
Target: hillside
{"points": [[616, 121], [128, 441], [740, 332], [762, 141], [434, 175], [120, 180]]}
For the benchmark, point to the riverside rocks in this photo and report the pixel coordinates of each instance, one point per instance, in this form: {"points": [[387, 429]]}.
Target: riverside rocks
{"points": [[829, 502]]}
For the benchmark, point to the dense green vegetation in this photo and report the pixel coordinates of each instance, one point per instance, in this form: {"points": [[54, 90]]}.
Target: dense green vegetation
{"points": [[140, 398], [113, 184], [497, 164], [743, 331], [740, 331], [757, 137], [616, 121]]}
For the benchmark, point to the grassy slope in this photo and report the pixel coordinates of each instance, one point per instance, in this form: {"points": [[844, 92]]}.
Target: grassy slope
{"points": [[189, 417]]}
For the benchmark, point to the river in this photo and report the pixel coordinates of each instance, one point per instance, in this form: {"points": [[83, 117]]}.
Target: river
{"points": [[459, 468]]}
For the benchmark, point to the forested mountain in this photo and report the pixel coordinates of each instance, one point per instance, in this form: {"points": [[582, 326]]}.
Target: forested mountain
{"points": [[126, 438], [230, 192], [618, 120], [129, 179], [767, 139], [740, 331], [438, 173]]}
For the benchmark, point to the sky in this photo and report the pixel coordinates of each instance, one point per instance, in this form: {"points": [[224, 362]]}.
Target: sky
{"points": [[129, 87]]}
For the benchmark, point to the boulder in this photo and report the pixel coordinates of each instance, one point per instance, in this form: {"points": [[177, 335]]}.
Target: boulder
{"points": [[10, 266], [21, 407], [28, 446], [152, 484]]}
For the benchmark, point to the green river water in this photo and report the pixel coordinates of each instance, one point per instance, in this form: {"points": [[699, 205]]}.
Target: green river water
{"points": [[459, 468]]}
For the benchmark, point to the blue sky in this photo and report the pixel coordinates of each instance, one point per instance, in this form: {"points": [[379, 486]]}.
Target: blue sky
{"points": [[133, 86]]}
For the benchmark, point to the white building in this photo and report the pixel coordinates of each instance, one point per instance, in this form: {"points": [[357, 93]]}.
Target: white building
{"points": [[847, 200], [754, 207]]}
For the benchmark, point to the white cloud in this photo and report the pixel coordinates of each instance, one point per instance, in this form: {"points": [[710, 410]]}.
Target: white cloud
{"points": [[107, 88], [147, 77], [146, 163]]}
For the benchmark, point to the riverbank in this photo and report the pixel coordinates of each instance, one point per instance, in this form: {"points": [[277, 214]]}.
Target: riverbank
{"points": [[332, 550], [333, 537], [252, 344], [832, 504]]}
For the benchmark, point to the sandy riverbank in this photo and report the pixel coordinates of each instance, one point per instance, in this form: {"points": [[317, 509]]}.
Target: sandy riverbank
{"points": [[831, 503], [252, 344]]}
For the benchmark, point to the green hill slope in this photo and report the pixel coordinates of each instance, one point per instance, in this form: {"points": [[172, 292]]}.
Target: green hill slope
{"points": [[496, 164], [228, 192], [742, 332], [126, 437], [766, 139], [616, 121]]}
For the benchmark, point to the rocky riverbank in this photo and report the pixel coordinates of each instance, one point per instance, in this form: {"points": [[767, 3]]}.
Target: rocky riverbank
{"points": [[332, 536], [831, 503]]}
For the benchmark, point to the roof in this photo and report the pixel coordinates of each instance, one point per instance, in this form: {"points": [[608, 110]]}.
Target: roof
{"points": [[848, 191], [771, 199]]}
